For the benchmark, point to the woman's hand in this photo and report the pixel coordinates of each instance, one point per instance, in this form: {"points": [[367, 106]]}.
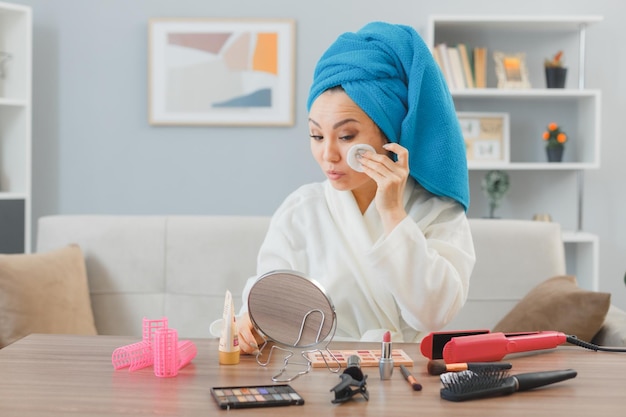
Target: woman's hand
{"points": [[391, 180], [248, 337]]}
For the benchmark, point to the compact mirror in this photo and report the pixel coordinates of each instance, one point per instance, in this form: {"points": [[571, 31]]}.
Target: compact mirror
{"points": [[294, 312]]}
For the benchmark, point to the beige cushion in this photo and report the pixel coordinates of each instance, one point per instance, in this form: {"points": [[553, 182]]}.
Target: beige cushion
{"points": [[558, 304], [44, 293]]}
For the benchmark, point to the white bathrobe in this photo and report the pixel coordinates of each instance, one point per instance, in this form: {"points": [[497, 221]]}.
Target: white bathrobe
{"points": [[412, 281]]}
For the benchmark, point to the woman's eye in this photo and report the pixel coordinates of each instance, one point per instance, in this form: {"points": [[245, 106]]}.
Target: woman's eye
{"points": [[316, 137], [346, 137]]}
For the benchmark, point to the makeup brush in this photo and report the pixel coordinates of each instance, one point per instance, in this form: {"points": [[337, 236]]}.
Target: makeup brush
{"points": [[438, 367], [470, 385]]}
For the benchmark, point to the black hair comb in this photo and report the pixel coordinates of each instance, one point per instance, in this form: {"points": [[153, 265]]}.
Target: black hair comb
{"points": [[470, 385]]}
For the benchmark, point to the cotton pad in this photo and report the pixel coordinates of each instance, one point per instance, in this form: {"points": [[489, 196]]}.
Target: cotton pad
{"points": [[355, 152]]}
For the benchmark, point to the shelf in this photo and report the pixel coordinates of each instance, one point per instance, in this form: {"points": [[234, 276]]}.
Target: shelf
{"points": [[510, 23], [13, 102], [582, 255], [533, 93], [538, 37], [12, 196], [570, 236], [538, 186], [530, 111], [532, 166], [15, 128], [15, 149]]}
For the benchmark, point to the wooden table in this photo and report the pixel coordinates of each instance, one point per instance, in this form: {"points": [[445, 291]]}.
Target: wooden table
{"points": [[57, 375]]}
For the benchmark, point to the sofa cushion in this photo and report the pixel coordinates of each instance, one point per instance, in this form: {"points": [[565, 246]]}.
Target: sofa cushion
{"points": [[44, 293], [558, 304]]}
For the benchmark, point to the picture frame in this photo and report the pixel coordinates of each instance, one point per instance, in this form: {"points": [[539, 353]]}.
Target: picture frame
{"points": [[226, 72], [486, 138], [511, 70]]}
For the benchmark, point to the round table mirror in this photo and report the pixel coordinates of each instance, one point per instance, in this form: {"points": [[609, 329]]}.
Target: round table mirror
{"points": [[291, 309], [293, 312]]}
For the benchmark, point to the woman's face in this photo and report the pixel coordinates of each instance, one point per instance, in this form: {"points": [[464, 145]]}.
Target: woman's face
{"points": [[336, 123]]}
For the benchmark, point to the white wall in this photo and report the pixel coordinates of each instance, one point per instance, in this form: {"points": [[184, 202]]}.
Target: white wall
{"points": [[94, 151]]}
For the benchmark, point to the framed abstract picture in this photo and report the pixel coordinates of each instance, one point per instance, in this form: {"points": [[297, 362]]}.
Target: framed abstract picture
{"points": [[221, 72]]}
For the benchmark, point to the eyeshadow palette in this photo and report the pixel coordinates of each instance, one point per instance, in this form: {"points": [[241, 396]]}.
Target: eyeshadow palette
{"points": [[256, 396], [368, 357]]}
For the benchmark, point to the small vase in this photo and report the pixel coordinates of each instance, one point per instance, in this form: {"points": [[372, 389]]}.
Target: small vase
{"points": [[555, 77], [555, 153]]}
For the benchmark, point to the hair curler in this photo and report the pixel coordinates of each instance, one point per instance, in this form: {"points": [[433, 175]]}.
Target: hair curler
{"points": [[492, 347], [159, 347], [165, 348]]}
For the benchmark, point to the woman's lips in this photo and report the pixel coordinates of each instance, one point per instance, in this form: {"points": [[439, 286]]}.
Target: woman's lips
{"points": [[334, 175]]}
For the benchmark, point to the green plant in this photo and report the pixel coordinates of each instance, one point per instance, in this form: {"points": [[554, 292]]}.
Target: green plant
{"points": [[555, 61], [495, 185], [554, 136]]}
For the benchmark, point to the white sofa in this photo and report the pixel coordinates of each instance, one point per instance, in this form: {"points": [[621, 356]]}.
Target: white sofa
{"points": [[181, 266]]}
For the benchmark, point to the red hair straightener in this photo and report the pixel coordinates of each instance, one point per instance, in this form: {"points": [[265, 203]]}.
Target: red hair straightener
{"points": [[483, 346]]}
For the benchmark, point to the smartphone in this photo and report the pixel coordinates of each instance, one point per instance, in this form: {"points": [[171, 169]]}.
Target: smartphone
{"points": [[256, 396]]}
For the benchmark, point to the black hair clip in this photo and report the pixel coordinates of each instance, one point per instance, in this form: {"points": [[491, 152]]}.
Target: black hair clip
{"points": [[352, 382]]}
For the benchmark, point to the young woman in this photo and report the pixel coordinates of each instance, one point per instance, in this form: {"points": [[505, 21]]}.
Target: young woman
{"points": [[391, 245]]}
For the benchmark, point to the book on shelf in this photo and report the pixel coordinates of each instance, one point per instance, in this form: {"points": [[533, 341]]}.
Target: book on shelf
{"points": [[480, 67], [444, 61], [437, 58], [461, 66], [467, 65], [456, 67]]}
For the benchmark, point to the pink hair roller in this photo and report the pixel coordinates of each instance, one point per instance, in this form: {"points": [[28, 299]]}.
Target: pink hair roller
{"points": [[139, 355], [186, 352], [151, 326], [135, 356], [159, 347], [165, 347]]}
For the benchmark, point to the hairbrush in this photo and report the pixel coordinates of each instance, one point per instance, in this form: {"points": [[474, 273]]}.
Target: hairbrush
{"points": [[470, 385], [438, 367]]}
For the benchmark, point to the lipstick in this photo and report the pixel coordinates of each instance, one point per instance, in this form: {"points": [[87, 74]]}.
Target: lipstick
{"points": [[385, 365]]}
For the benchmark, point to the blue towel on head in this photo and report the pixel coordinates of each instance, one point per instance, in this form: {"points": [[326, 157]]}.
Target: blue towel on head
{"points": [[390, 73]]}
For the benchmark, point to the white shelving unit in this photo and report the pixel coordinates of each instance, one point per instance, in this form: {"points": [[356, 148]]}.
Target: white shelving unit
{"points": [[537, 186], [15, 127]]}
